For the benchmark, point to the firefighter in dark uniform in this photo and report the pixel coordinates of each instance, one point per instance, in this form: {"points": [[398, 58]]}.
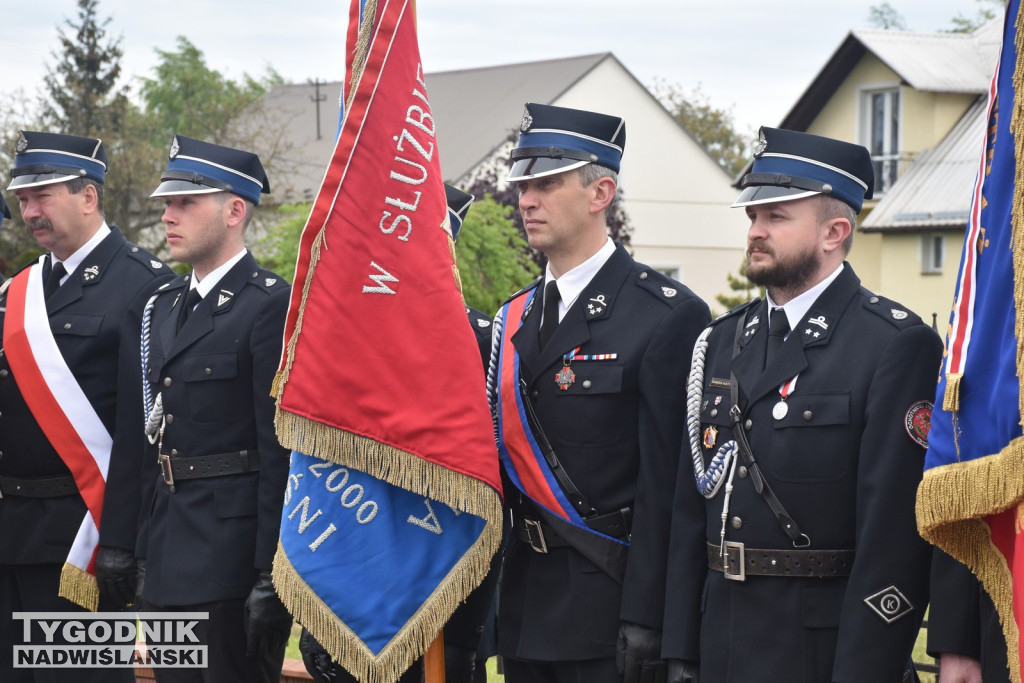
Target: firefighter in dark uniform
{"points": [[599, 377], [463, 631], [807, 421], [218, 473], [964, 633], [95, 284]]}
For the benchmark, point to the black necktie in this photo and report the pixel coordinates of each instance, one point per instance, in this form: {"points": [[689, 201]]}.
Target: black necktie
{"points": [[778, 326], [550, 321], [193, 298], [53, 279]]}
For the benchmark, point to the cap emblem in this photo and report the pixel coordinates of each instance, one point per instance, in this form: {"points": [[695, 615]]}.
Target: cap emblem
{"points": [[174, 148], [22, 144], [761, 146], [526, 122]]}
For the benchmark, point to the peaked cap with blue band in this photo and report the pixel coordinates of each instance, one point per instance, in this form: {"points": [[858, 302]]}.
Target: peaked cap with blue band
{"points": [[458, 207], [557, 139], [789, 165], [46, 158], [197, 167]]}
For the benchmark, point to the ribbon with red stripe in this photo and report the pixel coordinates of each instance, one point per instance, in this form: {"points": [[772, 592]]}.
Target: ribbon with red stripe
{"points": [[67, 418]]}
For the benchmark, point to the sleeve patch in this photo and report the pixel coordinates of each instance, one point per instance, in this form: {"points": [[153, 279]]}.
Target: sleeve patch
{"points": [[918, 422]]}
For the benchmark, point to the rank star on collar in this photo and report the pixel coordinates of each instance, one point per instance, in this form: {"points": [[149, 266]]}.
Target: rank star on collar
{"points": [[91, 273]]}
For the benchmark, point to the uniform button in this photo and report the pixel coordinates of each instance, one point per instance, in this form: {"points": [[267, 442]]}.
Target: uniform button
{"points": [[748, 424], [808, 415], [714, 412], [643, 276], [873, 300], [737, 523], [135, 250], [3, 372], [256, 274], [67, 326], [742, 471], [174, 451], [170, 419], [535, 395], [209, 371], [168, 382], [587, 384]]}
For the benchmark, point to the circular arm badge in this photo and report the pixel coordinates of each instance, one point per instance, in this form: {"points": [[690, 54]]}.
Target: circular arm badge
{"points": [[918, 422]]}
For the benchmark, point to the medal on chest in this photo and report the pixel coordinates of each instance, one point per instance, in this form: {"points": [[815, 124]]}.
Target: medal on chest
{"points": [[781, 409], [565, 377]]}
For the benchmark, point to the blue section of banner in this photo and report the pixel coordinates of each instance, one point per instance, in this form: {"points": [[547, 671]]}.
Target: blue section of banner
{"points": [[372, 552], [989, 416]]}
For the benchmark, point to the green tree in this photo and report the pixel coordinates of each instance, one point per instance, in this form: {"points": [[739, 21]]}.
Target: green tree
{"points": [[279, 250], [492, 256], [82, 92], [886, 17], [987, 11], [746, 290], [186, 96], [713, 128]]}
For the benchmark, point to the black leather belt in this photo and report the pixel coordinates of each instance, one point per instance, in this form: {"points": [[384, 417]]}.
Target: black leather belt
{"points": [[175, 468], [740, 562], [541, 536], [50, 487]]}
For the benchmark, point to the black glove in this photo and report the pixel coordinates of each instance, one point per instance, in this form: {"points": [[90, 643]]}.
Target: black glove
{"points": [[267, 623], [459, 664], [681, 671], [638, 654], [316, 659], [116, 574]]}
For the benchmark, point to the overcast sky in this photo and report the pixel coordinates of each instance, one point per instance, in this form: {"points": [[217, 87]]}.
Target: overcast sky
{"points": [[752, 56]]}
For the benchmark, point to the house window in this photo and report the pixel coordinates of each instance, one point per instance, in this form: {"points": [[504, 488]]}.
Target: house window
{"points": [[881, 135], [933, 249]]}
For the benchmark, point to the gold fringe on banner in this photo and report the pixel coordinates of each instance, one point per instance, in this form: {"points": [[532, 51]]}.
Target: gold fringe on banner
{"points": [[952, 500], [951, 399], [79, 586], [412, 641], [362, 50]]}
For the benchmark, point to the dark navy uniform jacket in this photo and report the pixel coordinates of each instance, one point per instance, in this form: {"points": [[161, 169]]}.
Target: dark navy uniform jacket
{"points": [[205, 541], [616, 431], [844, 465], [94, 317]]}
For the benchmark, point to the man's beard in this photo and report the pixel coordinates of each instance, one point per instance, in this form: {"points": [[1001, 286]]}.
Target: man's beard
{"points": [[793, 274]]}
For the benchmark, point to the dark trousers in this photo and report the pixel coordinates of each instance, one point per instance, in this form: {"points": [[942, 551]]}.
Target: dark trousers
{"points": [[33, 588], [586, 671], [224, 635]]}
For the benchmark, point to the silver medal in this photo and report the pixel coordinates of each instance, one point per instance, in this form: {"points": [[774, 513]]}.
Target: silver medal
{"points": [[780, 410]]}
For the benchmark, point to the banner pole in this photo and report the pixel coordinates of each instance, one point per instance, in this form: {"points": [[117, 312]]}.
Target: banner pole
{"points": [[433, 661]]}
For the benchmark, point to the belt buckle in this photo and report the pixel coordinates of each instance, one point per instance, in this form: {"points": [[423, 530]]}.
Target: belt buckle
{"points": [[536, 535], [727, 566], [166, 472]]}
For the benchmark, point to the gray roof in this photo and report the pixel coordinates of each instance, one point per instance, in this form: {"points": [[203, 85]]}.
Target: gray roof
{"points": [[930, 62], [935, 192], [938, 62], [474, 110]]}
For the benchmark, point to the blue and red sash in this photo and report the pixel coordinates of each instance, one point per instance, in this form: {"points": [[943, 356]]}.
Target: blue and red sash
{"points": [[521, 454]]}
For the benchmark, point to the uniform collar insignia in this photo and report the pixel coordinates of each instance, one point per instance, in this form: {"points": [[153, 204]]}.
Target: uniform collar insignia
{"points": [[224, 299], [91, 273], [815, 327], [597, 306]]}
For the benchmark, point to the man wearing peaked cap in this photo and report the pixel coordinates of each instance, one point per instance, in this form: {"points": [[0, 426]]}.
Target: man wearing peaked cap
{"points": [[213, 473], [807, 422], [82, 298], [590, 355]]}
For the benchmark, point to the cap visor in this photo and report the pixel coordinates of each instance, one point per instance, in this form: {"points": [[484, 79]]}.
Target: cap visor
{"points": [[37, 179], [536, 167], [765, 194], [175, 187]]}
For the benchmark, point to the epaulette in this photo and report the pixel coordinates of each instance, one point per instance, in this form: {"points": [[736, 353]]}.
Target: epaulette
{"points": [[895, 313], [268, 280], [147, 259], [741, 309]]}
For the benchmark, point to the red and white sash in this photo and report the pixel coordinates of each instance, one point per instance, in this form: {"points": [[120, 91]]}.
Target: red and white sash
{"points": [[66, 417]]}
